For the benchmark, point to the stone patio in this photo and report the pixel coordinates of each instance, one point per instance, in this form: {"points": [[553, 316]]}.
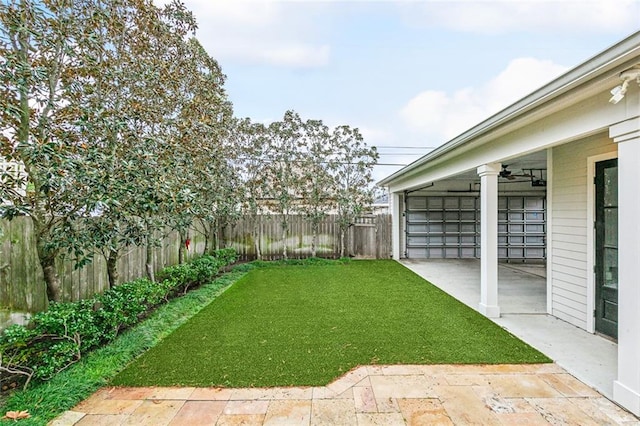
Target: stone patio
{"points": [[539, 394]]}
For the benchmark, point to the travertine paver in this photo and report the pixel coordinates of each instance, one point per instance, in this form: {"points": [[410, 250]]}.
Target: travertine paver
{"points": [[364, 400], [289, 412], [330, 412], [198, 413], [417, 411], [533, 394], [154, 412]]}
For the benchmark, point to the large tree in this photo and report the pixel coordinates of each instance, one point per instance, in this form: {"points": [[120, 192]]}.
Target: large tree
{"points": [[352, 171], [283, 170], [102, 101], [317, 188], [253, 143], [204, 186], [48, 56]]}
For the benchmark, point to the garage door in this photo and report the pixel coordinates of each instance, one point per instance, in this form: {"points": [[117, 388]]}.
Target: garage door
{"points": [[449, 227]]}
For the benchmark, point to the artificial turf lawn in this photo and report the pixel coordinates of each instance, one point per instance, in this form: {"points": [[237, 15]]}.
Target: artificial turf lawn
{"points": [[307, 325]]}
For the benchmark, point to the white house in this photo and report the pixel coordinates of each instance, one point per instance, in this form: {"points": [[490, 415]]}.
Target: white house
{"points": [[553, 178]]}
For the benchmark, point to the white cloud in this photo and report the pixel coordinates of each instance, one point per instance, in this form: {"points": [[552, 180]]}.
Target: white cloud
{"points": [[446, 115], [258, 32], [497, 17]]}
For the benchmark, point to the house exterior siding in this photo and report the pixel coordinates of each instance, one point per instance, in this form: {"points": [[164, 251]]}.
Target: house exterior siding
{"points": [[570, 230]]}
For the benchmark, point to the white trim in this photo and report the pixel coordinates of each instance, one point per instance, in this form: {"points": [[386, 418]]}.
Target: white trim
{"points": [[626, 390], [626, 397], [591, 237], [396, 228], [549, 220]]}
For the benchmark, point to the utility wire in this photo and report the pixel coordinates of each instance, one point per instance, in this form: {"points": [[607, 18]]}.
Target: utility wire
{"points": [[405, 147]]}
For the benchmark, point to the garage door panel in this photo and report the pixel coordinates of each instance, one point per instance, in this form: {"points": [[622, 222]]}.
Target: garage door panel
{"points": [[449, 227]]}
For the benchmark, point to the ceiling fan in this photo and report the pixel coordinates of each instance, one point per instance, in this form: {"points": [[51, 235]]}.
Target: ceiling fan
{"points": [[507, 174]]}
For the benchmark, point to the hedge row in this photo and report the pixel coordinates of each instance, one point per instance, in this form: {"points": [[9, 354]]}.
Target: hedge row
{"points": [[58, 337]]}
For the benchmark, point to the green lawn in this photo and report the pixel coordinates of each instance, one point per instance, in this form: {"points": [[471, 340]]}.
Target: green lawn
{"points": [[306, 325]]}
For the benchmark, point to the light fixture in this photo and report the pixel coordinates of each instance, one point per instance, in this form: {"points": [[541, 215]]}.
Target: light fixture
{"points": [[618, 92], [626, 76]]}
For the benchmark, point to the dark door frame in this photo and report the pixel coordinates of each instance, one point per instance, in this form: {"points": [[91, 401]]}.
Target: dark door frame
{"points": [[606, 296]]}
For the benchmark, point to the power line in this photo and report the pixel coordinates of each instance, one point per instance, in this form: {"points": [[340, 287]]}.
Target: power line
{"points": [[405, 147], [404, 154], [270, 160]]}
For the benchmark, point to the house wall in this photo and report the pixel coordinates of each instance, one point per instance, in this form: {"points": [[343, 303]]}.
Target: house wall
{"points": [[570, 230]]}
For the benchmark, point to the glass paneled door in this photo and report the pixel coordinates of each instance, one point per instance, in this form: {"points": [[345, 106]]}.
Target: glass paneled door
{"points": [[607, 248]]}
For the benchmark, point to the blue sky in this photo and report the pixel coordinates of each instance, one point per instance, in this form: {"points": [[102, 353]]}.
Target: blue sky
{"points": [[406, 73]]}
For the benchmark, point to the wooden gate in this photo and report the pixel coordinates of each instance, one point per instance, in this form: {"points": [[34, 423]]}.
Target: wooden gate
{"points": [[370, 237]]}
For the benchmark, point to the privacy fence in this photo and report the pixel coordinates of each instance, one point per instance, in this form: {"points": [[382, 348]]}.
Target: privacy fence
{"points": [[22, 284]]}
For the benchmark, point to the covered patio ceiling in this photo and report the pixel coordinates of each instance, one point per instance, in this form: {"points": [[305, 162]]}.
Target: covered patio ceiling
{"points": [[518, 166]]}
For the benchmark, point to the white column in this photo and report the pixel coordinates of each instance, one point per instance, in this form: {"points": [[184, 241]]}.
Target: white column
{"points": [[489, 239], [626, 390], [396, 224]]}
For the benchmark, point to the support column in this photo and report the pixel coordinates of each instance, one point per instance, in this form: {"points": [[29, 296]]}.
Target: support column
{"points": [[626, 390], [489, 239], [397, 211]]}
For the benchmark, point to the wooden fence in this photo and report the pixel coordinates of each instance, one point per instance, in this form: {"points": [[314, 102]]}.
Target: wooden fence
{"points": [[368, 238], [22, 285]]}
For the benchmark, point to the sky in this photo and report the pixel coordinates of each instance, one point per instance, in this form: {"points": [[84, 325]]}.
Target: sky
{"points": [[411, 75]]}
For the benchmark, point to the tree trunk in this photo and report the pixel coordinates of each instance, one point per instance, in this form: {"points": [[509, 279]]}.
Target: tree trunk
{"points": [[51, 278], [215, 235], [149, 264], [211, 230], [112, 268], [182, 250], [284, 241], [48, 264], [314, 238], [205, 234], [342, 242], [222, 232], [256, 238]]}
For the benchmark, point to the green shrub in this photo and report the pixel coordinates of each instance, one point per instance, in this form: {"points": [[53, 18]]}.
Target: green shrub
{"points": [[199, 271], [74, 319], [58, 337], [226, 256], [124, 305]]}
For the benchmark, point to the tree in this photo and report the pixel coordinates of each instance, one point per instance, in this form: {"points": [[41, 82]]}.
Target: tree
{"points": [[317, 185], [101, 101], [352, 174], [283, 170], [136, 99], [47, 56], [253, 142], [199, 149]]}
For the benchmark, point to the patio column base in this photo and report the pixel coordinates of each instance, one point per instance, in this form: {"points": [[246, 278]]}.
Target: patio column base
{"points": [[626, 397], [489, 311]]}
